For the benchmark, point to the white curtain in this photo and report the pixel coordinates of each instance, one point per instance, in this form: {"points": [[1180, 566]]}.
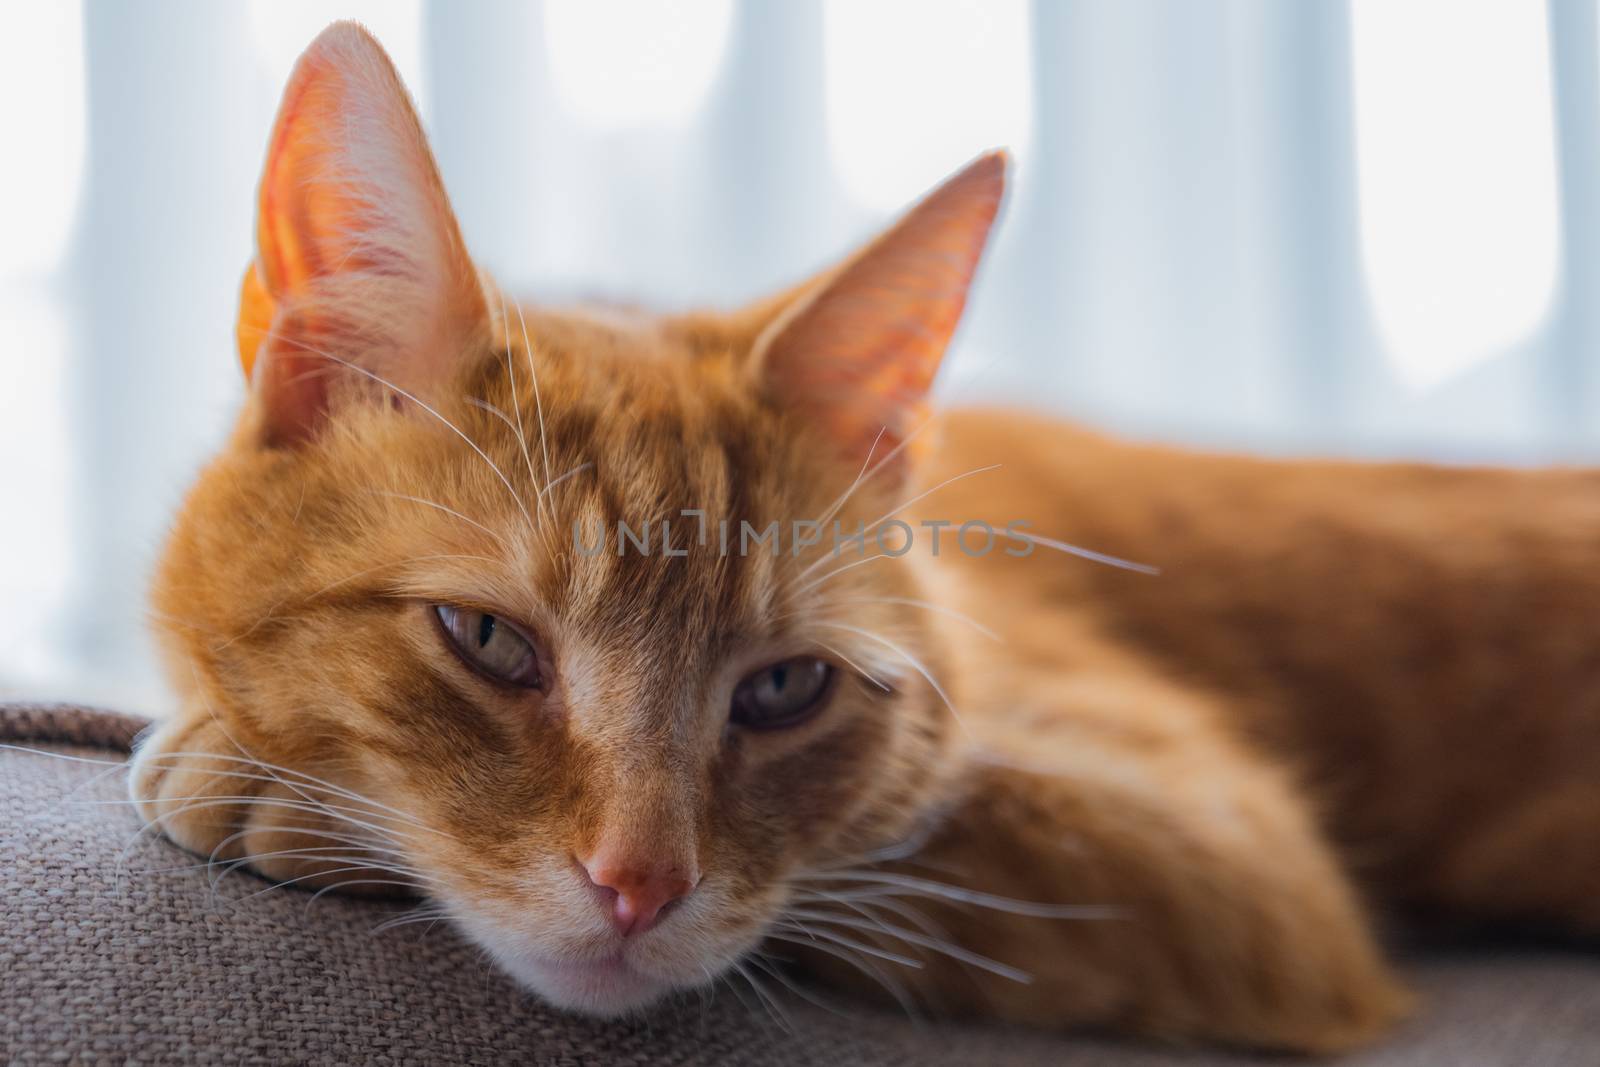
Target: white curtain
{"points": [[1184, 255]]}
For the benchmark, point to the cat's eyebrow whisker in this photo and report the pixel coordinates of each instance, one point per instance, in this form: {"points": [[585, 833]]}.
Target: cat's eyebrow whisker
{"points": [[538, 402], [891, 513], [928, 605], [516, 405], [867, 475], [910, 602], [271, 612], [408, 561], [558, 479], [824, 579], [925, 495], [853, 665], [912, 661], [513, 424], [440, 507], [386, 383], [912, 937], [840, 500]]}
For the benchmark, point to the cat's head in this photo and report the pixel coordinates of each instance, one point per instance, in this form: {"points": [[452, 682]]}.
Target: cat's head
{"points": [[613, 767]]}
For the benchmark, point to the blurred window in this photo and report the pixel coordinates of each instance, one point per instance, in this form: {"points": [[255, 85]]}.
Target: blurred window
{"points": [[630, 62], [1456, 166], [915, 88]]}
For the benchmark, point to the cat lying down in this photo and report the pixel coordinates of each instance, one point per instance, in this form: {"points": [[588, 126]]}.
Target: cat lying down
{"points": [[639, 644]]}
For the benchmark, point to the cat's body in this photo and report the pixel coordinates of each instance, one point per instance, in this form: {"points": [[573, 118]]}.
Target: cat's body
{"points": [[1417, 642], [1407, 644], [1030, 787]]}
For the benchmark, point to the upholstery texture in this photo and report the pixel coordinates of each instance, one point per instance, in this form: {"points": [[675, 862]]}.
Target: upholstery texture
{"points": [[114, 948]]}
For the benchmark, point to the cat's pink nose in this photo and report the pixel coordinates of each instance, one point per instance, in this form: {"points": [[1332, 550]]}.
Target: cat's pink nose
{"points": [[635, 893]]}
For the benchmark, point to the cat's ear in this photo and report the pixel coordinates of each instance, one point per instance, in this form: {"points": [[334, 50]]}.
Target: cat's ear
{"points": [[361, 281], [856, 351]]}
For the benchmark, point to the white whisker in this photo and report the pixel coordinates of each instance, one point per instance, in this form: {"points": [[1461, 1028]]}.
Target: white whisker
{"points": [[1082, 553], [912, 661], [813, 936], [855, 959], [928, 887], [386, 383], [928, 606], [770, 968], [579, 469], [854, 666], [307, 781], [516, 405], [538, 403], [774, 1010], [815, 582], [913, 937], [440, 507]]}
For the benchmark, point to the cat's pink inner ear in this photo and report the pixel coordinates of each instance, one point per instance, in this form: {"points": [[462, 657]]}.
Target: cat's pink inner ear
{"points": [[857, 352], [361, 280]]}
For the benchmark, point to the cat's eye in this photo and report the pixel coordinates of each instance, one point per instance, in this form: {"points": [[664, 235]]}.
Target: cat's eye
{"points": [[784, 694], [491, 645]]}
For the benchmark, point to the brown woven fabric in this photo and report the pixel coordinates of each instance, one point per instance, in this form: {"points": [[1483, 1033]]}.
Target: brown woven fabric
{"points": [[106, 958], [67, 724]]}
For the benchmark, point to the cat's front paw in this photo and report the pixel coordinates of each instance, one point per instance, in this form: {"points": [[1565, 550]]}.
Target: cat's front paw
{"points": [[206, 793]]}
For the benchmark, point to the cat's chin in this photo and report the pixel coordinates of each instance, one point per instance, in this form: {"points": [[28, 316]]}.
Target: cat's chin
{"points": [[606, 984], [606, 988]]}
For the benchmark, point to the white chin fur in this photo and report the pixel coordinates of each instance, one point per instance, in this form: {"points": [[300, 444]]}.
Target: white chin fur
{"points": [[606, 988], [606, 991]]}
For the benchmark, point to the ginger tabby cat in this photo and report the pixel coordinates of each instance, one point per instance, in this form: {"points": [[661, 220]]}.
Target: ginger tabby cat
{"points": [[1018, 784]]}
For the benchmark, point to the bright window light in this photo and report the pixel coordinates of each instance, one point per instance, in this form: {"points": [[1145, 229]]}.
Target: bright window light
{"points": [[635, 62], [283, 28], [1455, 155], [42, 122], [36, 465], [915, 88]]}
